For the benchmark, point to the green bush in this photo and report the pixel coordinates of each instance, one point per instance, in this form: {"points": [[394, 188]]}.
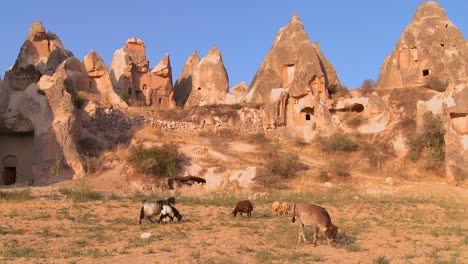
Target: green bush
{"points": [[123, 95], [430, 142], [354, 122], [338, 90], [157, 161], [337, 142], [280, 166], [339, 168], [373, 155]]}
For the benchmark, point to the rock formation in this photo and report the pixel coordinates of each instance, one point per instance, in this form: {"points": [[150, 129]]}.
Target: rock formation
{"points": [[183, 85], [237, 94], [292, 80], [431, 52], [95, 80], [452, 107], [37, 118], [160, 92], [210, 82], [130, 76], [40, 54]]}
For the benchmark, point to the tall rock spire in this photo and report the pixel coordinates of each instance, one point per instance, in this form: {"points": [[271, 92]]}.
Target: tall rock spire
{"points": [[183, 85], [431, 52], [210, 82]]}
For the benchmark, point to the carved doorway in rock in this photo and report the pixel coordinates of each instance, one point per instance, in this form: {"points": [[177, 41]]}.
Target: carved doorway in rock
{"points": [[9, 170]]}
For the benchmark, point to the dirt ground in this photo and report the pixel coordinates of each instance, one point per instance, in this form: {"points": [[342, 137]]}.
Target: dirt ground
{"points": [[397, 224], [382, 222]]}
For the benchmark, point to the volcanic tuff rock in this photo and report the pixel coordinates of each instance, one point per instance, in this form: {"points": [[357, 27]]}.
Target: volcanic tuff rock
{"points": [[431, 52], [95, 79], [129, 70], [293, 62], [131, 77], [40, 54], [160, 92], [183, 85], [37, 120], [210, 82], [293, 82]]}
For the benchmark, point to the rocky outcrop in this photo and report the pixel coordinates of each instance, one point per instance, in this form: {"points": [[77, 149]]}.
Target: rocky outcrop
{"points": [[40, 54], [237, 94], [129, 71], [452, 108], [183, 85], [292, 81], [95, 80], [431, 52], [64, 123], [210, 82], [131, 77], [160, 92]]}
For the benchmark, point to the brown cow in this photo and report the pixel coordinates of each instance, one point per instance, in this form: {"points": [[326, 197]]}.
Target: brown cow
{"points": [[308, 214]]}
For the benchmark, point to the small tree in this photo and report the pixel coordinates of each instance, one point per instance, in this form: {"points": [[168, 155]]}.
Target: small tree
{"points": [[367, 86]]}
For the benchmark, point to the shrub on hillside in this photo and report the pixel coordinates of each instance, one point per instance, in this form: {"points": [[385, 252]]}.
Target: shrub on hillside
{"points": [[355, 122], [338, 91], [280, 166], [430, 142], [157, 161], [367, 86], [339, 168], [337, 142], [373, 155]]}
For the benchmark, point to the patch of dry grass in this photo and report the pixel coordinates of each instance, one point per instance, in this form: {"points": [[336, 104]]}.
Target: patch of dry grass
{"points": [[405, 224]]}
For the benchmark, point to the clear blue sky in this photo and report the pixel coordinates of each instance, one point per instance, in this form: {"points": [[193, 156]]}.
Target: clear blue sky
{"points": [[354, 35]]}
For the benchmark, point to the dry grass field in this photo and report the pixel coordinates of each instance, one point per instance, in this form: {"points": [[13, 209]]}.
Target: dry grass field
{"points": [[80, 225]]}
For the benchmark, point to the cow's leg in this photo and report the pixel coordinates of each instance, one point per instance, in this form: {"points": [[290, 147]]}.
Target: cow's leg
{"points": [[316, 229], [302, 233]]}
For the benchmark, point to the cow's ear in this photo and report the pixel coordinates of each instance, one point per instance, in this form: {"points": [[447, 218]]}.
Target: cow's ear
{"points": [[324, 228]]}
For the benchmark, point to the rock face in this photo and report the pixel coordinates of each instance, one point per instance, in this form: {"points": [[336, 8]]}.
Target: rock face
{"points": [[94, 79], [183, 85], [40, 54], [431, 52], [452, 107], [292, 81], [130, 76], [160, 92], [210, 82], [37, 117]]}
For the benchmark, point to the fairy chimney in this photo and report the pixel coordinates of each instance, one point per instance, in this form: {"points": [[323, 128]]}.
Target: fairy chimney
{"points": [[431, 52], [183, 85], [129, 70], [160, 91], [292, 80], [40, 54], [210, 82], [95, 80]]}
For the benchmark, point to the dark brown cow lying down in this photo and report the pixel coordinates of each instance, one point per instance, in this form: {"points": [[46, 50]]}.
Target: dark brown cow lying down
{"points": [[307, 214]]}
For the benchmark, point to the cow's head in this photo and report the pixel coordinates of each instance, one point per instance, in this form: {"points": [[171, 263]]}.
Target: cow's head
{"points": [[331, 231]]}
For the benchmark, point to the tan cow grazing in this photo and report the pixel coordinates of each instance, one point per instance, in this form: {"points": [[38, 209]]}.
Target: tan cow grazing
{"points": [[285, 208], [275, 207], [308, 214]]}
